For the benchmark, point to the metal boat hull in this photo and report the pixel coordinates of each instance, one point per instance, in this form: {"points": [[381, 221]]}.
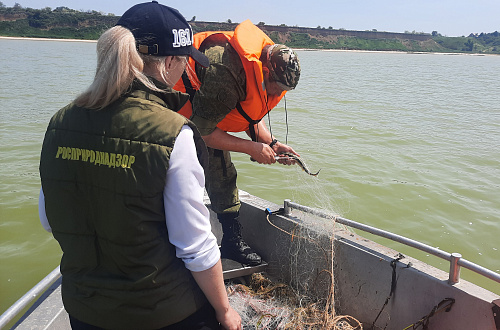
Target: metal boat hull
{"points": [[363, 272]]}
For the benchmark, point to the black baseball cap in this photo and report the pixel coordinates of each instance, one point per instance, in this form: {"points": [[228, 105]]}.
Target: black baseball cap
{"points": [[161, 31]]}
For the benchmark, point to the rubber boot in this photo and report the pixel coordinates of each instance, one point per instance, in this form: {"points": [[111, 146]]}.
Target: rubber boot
{"points": [[233, 246]]}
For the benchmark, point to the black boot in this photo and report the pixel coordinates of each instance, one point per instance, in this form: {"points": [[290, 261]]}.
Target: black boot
{"points": [[233, 246]]}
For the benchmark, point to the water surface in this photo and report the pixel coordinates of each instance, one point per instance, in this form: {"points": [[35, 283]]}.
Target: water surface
{"points": [[405, 142]]}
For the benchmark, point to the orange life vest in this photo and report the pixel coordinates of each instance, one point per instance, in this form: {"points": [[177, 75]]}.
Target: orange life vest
{"points": [[248, 41]]}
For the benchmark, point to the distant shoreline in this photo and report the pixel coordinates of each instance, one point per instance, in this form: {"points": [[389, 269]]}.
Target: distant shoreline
{"points": [[302, 49], [46, 39], [391, 52]]}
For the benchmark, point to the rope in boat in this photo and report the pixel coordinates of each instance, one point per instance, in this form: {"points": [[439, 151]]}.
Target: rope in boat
{"points": [[393, 286], [444, 305]]}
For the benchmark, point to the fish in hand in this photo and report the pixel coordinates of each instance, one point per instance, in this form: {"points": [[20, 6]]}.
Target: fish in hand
{"points": [[302, 164]]}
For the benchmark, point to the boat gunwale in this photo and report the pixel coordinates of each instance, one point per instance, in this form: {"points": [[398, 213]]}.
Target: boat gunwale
{"points": [[455, 259]]}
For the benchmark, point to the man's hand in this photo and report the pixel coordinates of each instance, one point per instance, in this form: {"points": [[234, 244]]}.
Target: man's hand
{"points": [[262, 153], [281, 148]]}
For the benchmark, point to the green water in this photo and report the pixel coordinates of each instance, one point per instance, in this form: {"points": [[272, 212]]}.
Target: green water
{"points": [[405, 142]]}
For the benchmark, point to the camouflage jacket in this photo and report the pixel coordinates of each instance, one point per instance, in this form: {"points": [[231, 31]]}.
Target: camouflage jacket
{"points": [[223, 85]]}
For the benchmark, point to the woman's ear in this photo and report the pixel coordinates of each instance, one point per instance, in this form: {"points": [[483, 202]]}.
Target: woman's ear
{"points": [[169, 62]]}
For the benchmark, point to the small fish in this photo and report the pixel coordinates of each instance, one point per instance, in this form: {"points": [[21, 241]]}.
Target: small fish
{"points": [[287, 156]]}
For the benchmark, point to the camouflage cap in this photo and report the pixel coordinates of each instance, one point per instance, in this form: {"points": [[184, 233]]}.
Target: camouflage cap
{"points": [[284, 66]]}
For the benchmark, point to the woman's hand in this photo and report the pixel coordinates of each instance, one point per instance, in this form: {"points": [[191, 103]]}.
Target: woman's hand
{"points": [[230, 320]]}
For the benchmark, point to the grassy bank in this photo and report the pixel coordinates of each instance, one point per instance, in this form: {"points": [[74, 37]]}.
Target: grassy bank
{"points": [[65, 23]]}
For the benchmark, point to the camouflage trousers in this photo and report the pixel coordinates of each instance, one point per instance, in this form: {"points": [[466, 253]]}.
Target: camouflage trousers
{"points": [[220, 182]]}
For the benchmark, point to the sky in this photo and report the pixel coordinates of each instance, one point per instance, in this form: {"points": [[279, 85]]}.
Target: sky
{"points": [[448, 17]]}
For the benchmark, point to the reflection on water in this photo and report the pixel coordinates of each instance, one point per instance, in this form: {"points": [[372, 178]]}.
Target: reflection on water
{"points": [[407, 143]]}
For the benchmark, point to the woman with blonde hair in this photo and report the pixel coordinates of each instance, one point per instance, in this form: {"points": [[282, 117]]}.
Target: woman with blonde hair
{"points": [[122, 188]]}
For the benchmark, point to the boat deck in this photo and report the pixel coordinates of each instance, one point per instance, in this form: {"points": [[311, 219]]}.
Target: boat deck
{"points": [[48, 311]]}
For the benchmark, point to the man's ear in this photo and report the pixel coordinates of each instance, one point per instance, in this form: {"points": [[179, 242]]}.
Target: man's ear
{"points": [[265, 72]]}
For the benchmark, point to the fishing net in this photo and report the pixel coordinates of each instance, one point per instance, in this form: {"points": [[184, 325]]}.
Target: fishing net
{"points": [[265, 304], [307, 301]]}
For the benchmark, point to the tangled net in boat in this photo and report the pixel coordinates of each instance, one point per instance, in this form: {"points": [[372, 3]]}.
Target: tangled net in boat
{"points": [[267, 305], [307, 301]]}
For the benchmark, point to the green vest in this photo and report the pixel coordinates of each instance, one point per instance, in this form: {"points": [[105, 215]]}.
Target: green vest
{"points": [[103, 174]]}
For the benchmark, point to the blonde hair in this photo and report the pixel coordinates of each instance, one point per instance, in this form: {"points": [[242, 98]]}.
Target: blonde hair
{"points": [[118, 65]]}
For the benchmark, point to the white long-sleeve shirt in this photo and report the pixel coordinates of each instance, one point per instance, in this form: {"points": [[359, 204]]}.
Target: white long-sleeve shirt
{"points": [[187, 218]]}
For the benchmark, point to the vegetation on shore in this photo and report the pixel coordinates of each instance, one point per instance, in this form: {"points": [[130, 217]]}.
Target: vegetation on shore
{"points": [[66, 23]]}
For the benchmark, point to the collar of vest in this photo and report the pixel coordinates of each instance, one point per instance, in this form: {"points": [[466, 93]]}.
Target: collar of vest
{"points": [[168, 97]]}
